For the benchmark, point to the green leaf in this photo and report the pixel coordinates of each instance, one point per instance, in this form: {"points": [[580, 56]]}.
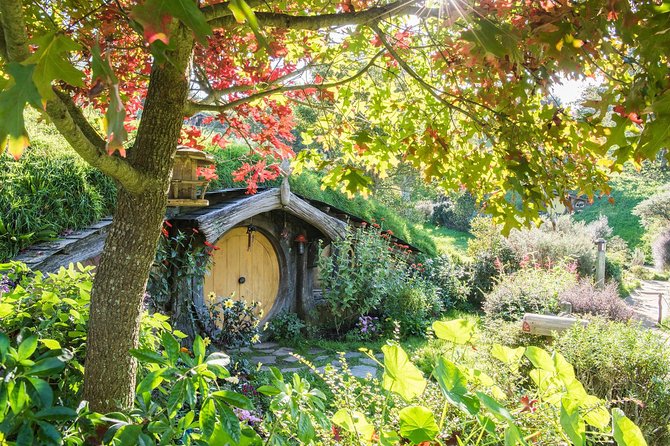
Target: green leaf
{"points": [[4, 344], [52, 63], [354, 422], [148, 357], [626, 433], [115, 115], [572, 423], [564, 369], [47, 367], [150, 382], [595, 412], [218, 359], [268, 390], [418, 424], [58, 413], [50, 433], [51, 344], [453, 383], [128, 435], [400, 375], [27, 347], [389, 438], [540, 358], [458, 331], [199, 349], [306, 432], [26, 435], [243, 13], [43, 389], [234, 399], [500, 412], [13, 99], [230, 422], [207, 418], [508, 356], [513, 436]]}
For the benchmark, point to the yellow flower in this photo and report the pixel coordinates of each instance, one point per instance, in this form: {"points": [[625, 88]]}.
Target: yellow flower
{"points": [[255, 339], [211, 295], [229, 303]]}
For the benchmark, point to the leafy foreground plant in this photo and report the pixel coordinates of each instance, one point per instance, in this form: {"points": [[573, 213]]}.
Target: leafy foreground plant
{"points": [[555, 410]]}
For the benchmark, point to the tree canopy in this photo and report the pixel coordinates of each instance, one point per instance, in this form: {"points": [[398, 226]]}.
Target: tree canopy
{"points": [[460, 89]]}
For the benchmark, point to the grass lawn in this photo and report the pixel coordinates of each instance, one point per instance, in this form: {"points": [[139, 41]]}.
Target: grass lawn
{"points": [[628, 189], [449, 241]]}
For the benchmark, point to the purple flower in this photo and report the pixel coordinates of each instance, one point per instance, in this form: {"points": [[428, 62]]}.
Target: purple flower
{"points": [[245, 415]]}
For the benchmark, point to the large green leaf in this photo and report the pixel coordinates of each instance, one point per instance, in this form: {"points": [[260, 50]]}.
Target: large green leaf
{"points": [[626, 433], [453, 383], [508, 356], [572, 423], [498, 410], [400, 375], [243, 13], [52, 63], [540, 358], [418, 424], [458, 331], [354, 422], [18, 92]]}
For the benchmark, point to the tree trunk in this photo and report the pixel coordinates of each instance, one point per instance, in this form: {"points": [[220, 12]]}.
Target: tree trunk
{"points": [[121, 278]]}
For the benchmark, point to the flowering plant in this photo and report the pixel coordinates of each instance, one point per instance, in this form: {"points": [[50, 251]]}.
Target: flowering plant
{"points": [[237, 321]]}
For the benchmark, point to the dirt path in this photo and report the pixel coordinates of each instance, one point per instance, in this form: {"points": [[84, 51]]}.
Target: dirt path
{"points": [[644, 301]]}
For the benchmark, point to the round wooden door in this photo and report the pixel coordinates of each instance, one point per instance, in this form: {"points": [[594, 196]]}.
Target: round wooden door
{"points": [[246, 269]]}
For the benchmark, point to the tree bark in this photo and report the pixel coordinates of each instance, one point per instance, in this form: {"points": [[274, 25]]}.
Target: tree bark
{"points": [[121, 278]]}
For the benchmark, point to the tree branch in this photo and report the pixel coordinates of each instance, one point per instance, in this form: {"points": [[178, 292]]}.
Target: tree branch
{"points": [[65, 115], [425, 85], [193, 107], [316, 22], [219, 10]]}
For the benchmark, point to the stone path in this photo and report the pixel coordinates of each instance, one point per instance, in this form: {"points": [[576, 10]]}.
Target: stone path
{"points": [[644, 301], [272, 354]]}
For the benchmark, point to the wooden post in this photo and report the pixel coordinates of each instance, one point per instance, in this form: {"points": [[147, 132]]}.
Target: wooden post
{"points": [[660, 308], [600, 263]]}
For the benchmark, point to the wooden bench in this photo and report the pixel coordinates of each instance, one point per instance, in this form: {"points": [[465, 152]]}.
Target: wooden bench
{"points": [[545, 325]]}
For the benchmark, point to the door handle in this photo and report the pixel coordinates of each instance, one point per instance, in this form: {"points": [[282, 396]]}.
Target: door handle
{"points": [[241, 280]]}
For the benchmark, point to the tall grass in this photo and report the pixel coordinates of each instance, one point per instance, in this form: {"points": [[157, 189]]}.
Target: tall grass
{"points": [[49, 190]]}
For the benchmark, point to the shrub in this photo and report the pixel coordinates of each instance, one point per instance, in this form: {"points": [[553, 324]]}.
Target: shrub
{"points": [[491, 255], [413, 305], [587, 299], [660, 249], [451, 279], [655, 210], [236, 322], [571, 241], [285, 327], [529, 290], [360, 270], [626, 364], [455, 212]]}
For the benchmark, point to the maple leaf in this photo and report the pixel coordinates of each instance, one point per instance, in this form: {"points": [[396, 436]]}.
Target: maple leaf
{"points": [[19, 91], [154, 17], [115, 115], [52, 63]]}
